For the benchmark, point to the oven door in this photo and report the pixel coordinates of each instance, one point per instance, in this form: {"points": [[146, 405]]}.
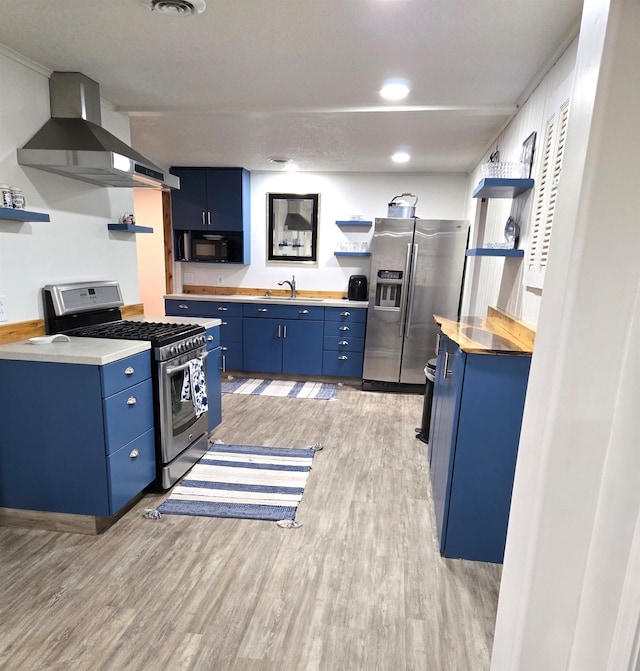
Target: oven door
{"points": [[179, 424]]}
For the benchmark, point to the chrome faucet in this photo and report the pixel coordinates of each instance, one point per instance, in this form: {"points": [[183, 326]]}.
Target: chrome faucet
{"points": [[291, 283]]}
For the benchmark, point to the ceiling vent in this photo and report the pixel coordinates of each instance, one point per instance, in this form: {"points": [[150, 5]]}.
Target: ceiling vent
{"points": [[176, 7]]}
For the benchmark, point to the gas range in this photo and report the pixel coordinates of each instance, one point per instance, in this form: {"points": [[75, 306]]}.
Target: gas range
{"points": [[167, 340]]}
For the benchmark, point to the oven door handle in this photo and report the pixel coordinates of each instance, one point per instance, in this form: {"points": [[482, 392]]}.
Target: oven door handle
{"points": [[174, 369]]}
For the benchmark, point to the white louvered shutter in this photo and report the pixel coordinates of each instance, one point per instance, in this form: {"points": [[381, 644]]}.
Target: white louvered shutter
{"points": [[546, 196]]}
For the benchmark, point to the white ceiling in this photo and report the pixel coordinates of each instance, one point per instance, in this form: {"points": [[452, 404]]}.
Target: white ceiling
{"points": [[253, 79]]}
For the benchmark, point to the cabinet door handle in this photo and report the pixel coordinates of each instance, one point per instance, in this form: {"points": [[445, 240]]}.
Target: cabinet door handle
{"points": [[284, 329], [303, 312], [343, 357], [221, 308], [345, 314], [445, 369], [279, 331], [132, 400], [343, 342], [224, 362], [208, 218], [438, 342], [129, 370], [224, 349], [343, 328], [203, 221], [182, 306], [263, 309], [210, 338], [223, 324], [134, 454]]}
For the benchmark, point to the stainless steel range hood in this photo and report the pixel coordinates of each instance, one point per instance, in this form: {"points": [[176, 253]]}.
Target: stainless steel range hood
{"points": [[74, 144]]}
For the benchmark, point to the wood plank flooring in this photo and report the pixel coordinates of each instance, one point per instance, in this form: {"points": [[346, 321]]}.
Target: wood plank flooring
{"points": [[360, 586]]}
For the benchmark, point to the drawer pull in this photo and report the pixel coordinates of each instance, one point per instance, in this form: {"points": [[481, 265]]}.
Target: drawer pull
{"points": [[224, 349], [303, 312], [134, 454], [263, 310], [343, 357], [129, 370], [345, 314], [222, 309], [182, 306], [343, 343], [343, 328], [224, 323], [132, 400], [210, 338]]}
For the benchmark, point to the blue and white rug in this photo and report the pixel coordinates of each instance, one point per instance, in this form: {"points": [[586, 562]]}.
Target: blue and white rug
{"points": [[324, 391], [243, 481]]}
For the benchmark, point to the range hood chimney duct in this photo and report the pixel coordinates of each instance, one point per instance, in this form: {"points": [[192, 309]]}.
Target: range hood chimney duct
{"points": [[73, 142]]}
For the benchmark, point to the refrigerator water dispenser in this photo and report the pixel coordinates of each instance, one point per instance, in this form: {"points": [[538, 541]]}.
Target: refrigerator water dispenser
{"points": [[388, 289]]}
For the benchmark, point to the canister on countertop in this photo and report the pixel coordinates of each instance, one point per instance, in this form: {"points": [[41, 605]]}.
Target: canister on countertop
{"points": [[5, 196]]}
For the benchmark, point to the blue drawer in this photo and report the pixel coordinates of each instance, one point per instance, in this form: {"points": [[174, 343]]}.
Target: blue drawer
{"points": [[125, 372], [231, 329], [342, 364], [198, 308], [346, 343], [130, 470], [277, 311], [213, 337], [127, 414], [222, 310], [351, 329], [345, 314]]}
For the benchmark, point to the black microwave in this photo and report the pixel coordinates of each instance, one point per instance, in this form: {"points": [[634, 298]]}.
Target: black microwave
{"points": [[202, 247]]}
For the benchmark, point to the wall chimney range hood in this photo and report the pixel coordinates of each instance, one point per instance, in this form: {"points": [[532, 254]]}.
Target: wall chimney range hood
{"points": [[74, 144]]}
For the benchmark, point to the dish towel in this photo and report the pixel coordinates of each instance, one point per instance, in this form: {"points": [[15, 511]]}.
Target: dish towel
{"points": [[194, 386]]}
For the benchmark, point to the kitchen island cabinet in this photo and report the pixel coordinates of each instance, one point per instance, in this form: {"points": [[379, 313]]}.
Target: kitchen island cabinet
{"points": [[478, 401], [76, 436], [214, 381]]}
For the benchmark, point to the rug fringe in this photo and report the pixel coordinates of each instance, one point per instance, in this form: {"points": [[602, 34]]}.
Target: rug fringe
{"points": [[288, 524]]}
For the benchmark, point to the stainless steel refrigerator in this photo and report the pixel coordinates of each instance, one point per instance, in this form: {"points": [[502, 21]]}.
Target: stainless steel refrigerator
{"points": [[417, 268]]}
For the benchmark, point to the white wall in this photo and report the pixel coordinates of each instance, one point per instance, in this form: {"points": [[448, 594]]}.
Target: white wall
{"points": [[151, 259], [76, 244], [341, 195], [570, 590]]}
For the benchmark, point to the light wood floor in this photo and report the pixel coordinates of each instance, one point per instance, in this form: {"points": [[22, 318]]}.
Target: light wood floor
{"points": [[360, 586]]}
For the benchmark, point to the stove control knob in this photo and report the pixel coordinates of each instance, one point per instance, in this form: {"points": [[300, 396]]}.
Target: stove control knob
{"points": [[182, 347], [173, 350], [201, 340]]}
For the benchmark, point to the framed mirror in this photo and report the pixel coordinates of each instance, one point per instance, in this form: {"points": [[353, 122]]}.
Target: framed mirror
{"points": [[293, 227]]}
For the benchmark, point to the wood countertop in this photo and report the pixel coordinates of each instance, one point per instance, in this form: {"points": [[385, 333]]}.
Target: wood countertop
{"points": [[497, 333]]}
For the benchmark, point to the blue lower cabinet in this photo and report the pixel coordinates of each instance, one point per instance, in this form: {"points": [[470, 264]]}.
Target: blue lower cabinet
{"points": [[477, 411], [130, 470], [232, 356], [342, 364], [59, 437], [282, 346], [213, 364]]}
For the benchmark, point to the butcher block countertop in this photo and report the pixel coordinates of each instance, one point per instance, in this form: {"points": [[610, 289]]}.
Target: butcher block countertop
{"points": [[497, 333]]}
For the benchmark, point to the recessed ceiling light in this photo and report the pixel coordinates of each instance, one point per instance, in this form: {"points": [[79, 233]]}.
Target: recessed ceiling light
{"points": [[395, 89], [279, 160], [176, 7], [401, 157]]}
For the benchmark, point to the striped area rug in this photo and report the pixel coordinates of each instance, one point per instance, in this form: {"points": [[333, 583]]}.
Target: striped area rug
{"points": [[243, 481], [324, 391]]}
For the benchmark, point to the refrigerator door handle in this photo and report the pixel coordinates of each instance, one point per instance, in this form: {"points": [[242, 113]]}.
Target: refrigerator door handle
{"points": [[403, 287], [412, 286]]}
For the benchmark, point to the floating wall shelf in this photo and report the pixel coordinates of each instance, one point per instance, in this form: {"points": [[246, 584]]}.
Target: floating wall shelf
{"points": [[482, 251], [495, 187], [352, 253], [129, 228], [11, 214], [353, 222]]}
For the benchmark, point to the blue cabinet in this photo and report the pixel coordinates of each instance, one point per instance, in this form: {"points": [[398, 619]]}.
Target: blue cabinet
{"points": [[214, 201], [343, 342], [214, 382], [230, 330], [75, 438], [473, 443], [283, 339]]}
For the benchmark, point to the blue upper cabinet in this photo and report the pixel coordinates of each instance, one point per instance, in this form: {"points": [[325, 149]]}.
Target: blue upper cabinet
{"points": [[211, 199]]}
